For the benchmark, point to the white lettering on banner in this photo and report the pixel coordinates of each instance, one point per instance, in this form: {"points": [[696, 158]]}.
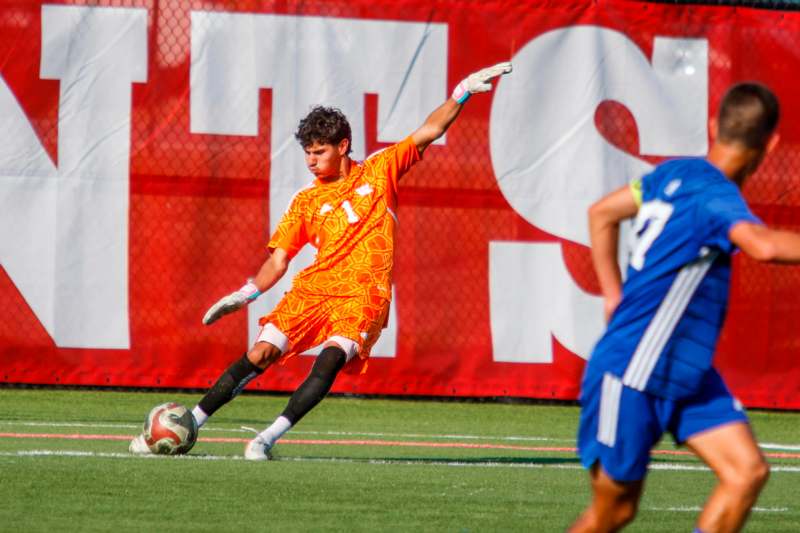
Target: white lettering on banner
{"points": [[551, 164], [308, 61], [542, 305], [64, 231]]}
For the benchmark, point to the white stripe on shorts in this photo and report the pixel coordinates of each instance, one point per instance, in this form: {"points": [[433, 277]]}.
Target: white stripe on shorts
{"points": [[610, 395]]}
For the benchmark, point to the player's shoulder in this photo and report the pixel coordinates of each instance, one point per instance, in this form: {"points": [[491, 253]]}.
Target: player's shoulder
{"points": [[377, 153], [690, 167], [689, 175], [375, 163], [379, 156], [304, 193]]}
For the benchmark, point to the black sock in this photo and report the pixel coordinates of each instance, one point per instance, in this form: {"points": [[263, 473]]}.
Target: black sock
{"points": [[229, 385], [316, 385]]}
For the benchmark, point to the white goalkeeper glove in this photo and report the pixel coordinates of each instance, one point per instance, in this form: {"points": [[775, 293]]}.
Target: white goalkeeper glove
{"points": [[232, 302], [478, 82]]}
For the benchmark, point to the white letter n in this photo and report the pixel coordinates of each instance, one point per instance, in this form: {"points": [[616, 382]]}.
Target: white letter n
{"points": [[64, 231]]}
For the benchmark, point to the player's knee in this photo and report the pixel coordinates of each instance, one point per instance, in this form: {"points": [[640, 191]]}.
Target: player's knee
{"points": [[263, 354], [348, 346], [747, 477], [762, 473], [615, 503], [609, 516], [330, 360], [756, 475], [625, 512]]}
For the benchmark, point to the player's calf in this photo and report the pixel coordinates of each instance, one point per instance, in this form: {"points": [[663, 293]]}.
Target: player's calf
{"points": [[317, 384], [228, 386], [319, 381]]}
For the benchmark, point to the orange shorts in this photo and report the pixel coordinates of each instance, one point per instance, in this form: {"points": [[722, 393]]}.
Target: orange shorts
{"points": [[308, 320]]}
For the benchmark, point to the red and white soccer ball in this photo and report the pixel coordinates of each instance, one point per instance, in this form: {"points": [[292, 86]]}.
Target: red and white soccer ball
{"points": [[170, 429]]}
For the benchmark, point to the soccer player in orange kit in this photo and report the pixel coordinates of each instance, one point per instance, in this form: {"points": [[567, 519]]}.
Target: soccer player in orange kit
{"points": [[342, 300]]}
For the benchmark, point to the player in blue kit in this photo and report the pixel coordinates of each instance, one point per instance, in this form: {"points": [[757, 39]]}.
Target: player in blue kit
{"points": [[652, 372]]}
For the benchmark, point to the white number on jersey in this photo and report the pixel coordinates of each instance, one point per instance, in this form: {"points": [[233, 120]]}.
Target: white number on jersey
{"points": [[352, 217], [649, 224]]}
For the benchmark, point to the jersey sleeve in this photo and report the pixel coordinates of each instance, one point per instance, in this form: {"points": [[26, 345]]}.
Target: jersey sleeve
{"points": [[646, 187], [291, 234], [395, 160], [719, 211], [635, 187]]}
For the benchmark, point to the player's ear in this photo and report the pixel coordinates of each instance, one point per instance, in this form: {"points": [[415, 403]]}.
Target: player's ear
{"points": [[773, 141], [343, 147], [713, 128]]}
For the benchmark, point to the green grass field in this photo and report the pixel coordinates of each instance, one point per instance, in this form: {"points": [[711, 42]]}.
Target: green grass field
{"points": [[351, 465]]}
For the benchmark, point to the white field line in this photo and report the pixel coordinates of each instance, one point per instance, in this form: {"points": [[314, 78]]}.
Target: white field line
{"points": [[675, 467], [703, 468], [697, 509], [92, 425], [508, 438], [208, 457], [205, 457], [782, 447]]}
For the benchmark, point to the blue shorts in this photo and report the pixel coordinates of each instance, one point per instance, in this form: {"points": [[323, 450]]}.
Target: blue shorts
{"points": [[620, 425]]}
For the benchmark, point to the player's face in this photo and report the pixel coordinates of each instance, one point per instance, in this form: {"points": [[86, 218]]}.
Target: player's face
{"points": [[324, 160]]}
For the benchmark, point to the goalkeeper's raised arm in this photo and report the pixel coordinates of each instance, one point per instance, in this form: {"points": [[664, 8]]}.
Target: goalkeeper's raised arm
{"points": [[441, 118], [268, 275]]}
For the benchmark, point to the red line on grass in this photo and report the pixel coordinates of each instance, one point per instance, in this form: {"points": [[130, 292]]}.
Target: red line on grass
{"points": [[363, 442], [65, 436]]}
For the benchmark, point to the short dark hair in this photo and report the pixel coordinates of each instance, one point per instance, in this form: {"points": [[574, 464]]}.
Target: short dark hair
{"points": [[324, 125], [748, 114]]}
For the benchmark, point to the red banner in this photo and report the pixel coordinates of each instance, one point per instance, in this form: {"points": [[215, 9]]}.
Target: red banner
{"points": [[147, 151]]}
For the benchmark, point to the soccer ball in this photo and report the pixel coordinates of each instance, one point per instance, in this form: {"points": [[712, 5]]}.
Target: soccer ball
{"points": [[170, 429]]}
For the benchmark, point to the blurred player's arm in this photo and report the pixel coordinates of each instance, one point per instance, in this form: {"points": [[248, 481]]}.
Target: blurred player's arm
{"points": [[766, 244], [605, 216], [268, 275], [444, 115], [272, 270]]}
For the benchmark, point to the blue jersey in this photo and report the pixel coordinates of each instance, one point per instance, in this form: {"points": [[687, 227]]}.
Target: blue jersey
{"points": [[662, 336]]}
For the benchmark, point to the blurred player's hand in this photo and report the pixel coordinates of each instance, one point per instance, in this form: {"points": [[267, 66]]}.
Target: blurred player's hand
{"points": [[232, 302], [478, 82]]}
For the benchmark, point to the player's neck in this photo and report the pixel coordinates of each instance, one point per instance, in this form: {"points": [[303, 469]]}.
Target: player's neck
{"points": [[344, 167], [344, 171], [733, 161]]}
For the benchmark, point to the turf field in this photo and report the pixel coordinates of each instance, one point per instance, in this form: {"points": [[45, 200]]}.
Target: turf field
{"points": [[351, 465]]}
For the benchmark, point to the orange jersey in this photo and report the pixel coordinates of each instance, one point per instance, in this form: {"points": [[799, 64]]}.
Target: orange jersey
{"points": [[351, 222]]}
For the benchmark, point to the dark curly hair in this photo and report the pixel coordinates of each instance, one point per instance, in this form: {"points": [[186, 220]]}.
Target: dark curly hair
{"points": [[324, 125]]}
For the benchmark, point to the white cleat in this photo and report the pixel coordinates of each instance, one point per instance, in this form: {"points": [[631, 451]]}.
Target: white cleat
{"points": [[139, 446], [257, 450]]}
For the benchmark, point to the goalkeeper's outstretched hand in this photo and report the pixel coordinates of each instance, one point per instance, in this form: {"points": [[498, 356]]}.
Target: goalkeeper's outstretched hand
{"points": [[232, 302], [478, 82]]}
